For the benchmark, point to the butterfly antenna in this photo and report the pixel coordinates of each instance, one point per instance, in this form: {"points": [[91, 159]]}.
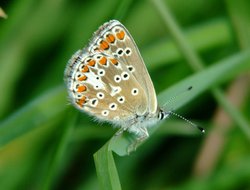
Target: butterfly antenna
{"points": [[188, 121], [178, 95]]}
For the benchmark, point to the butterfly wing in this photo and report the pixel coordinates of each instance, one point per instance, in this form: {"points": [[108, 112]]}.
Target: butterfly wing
{"points": [[114, 39], [99, 85]]}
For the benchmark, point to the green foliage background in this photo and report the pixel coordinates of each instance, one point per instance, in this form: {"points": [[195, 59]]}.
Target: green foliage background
{"points": [[47, 144]]}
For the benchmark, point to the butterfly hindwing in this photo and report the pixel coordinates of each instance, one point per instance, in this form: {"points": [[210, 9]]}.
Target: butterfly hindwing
{"points": [[98, 85]]}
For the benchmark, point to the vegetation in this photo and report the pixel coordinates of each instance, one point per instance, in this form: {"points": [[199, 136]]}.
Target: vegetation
{"points": [[47, 144]]}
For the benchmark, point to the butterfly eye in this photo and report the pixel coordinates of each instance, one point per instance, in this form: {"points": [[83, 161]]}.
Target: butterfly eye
{"points": [[161, 115]]}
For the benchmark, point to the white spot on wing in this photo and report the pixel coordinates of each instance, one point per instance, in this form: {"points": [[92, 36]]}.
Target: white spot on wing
{"points": [[117, 78], [113, 106], [92, 80], [121, 99], [131, 68], [100, 95], [101, 72], [115, 90], [94, 102], [125, 76], [128, 51], [134, 91], [105, 112]]}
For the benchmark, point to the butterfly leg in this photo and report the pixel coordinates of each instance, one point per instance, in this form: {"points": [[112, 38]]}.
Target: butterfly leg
{"points": [[125, 127], [121, 130], [142, 135]]}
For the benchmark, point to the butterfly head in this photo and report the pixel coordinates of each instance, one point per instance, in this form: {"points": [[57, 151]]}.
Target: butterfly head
{"points": [[162, 114]]}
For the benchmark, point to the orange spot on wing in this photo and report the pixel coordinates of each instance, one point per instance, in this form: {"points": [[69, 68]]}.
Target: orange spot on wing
{"points": [[110, 38], [104, 45], [82, 78], [85, 69], [120, 35], [91, 63], [103, 61], [81, 88], [81, 101], [114, 61]]}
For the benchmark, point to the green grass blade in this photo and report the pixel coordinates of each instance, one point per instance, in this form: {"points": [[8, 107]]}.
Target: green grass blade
{"points": [[106, 169], [196, 63], [202, 38], [34, 114], [240, 15], [15, 49], [60, 150], [122, 9], [176, 33], [243, 124], [229, 176], [212, 76]]}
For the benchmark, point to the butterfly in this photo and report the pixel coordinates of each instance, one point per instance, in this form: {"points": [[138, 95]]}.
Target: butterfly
{"points": [[109, 80]]}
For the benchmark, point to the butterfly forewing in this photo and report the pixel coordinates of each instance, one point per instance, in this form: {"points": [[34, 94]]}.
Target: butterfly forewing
{"points": [[114, 39]]}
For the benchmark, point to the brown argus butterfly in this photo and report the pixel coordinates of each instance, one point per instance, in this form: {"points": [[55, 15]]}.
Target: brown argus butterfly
{"points": [[109, 80]]}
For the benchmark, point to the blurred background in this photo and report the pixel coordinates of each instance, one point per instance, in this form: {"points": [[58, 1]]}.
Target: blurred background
{"points": [[37, 38]]}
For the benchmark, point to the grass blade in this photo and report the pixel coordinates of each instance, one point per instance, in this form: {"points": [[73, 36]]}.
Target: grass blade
{"points": [[60, 150], [33, 115], [106, 169], [196, 64]]}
